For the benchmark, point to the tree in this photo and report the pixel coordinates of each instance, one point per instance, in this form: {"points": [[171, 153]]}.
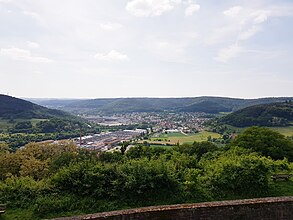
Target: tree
{"points": [[265, 141], [23, 127], [4, 148], [197, 149], [124, 146], [34, 168], [236, 173]]}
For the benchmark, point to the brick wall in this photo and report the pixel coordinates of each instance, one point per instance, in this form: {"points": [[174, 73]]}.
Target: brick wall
{"points": [[279, 208]]}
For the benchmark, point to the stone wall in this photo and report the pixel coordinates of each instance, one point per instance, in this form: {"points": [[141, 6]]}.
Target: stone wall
{"points": [[279, 208]]}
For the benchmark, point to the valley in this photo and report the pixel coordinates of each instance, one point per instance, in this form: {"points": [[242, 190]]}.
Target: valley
{"points": [[102, 160]]}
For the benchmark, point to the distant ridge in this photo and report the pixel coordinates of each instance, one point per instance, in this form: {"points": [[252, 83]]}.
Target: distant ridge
{"points": [[121, 105], [11, 107], [273, 114]]}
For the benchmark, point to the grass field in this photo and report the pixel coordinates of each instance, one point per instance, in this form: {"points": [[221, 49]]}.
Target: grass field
{"points": [[287, 131], [174, 138]]}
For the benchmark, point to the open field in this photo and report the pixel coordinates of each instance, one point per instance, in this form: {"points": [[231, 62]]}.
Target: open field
{"points": [[174, 138], [287, 131]]}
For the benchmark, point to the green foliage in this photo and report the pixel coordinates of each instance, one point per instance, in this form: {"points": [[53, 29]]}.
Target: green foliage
{"points": [[20, 192], [12, 108], [145, 151], [206, 106], [265, 141], [134, 180], [63, 160], [110, 157], [51, 129], [232, 174], [25, 122], [197, 149], [146, 180], [58, 180], [22, 127], [202, 104], [276, 114], [4, 148], [57, 125]]}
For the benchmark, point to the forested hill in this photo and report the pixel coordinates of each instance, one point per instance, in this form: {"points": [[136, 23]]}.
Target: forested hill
{"points": [[274, 114], [119, 105], [12, 108]]}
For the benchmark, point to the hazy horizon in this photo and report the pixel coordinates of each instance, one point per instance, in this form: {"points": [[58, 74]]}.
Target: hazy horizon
{"points": [[159, 97], [146, 48]]}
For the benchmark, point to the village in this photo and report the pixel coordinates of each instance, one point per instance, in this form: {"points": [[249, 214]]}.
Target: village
{"points": [[147, 125]]}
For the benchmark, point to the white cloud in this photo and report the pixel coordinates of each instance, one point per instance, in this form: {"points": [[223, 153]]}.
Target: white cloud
{"points": [[233, 11], [33, 45], [110, 26], [33, 15], [222, 34], [243, 23], [147, 8], [259, 16], [246, 21], [244, 35], [22, 55], [191, 9], [113, 55], [226, 54]]}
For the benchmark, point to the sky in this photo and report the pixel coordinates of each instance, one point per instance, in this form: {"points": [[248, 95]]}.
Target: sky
{"points": [[146, 48]]}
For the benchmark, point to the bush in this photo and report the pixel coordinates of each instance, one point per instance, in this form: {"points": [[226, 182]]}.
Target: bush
{"points": [[232, 174], [146, 180], [21, 192], [265, 141]]}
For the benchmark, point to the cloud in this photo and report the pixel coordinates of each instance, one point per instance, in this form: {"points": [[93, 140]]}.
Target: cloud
{"points": [[226, 54], [250, 20], [33, 45], [233, 11], [110, 26], [33, 15], [113, 55], [260, 16], [242, 23], [244, 35], [149, 8], [22, 55], [191, 9]]}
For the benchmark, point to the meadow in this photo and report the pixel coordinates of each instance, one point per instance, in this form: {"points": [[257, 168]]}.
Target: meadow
{"points": [[287, 131], [175, 138]]}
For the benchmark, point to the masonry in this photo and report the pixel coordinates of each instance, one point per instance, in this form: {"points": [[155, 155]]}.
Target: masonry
{"points": [[278, 208]]}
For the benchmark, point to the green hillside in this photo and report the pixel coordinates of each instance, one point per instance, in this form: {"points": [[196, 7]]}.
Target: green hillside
{"points": [[22, 122], [273, 115], [14, 108], [205, 106], [121, 105]]}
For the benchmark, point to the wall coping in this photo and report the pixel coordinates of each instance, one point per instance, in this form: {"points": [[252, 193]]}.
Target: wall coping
{"points": [[267, 200]]}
